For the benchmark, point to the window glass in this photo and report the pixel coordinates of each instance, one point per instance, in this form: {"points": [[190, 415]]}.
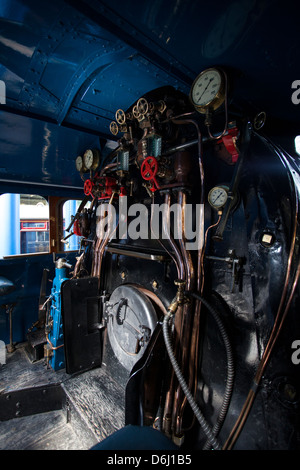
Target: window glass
{"points": [[73, 241], [26, 227]]}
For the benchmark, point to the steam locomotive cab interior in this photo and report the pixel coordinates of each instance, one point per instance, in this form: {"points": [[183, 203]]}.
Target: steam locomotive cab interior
{"points": [[178, 310]]}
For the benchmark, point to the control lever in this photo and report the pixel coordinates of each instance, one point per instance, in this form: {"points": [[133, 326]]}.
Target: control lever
{"points": [[81, 206]]}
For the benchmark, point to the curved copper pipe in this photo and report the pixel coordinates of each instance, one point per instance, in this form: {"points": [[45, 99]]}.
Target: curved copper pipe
{"points": [[186, 255], [166, 224], [178, 317], [176, 259], [193, 372], [194, 333], [155, 299], [95, 258], [104, 243], [186, 320]]}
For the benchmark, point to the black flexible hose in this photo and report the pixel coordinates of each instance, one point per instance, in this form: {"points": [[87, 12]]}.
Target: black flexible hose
{"points": [[230, 364], [202, 421]]}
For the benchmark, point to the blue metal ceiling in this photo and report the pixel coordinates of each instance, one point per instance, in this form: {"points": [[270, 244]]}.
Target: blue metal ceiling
{"points": [[68, 66]]}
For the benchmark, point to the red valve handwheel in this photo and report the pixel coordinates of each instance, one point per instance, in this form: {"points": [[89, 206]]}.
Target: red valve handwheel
{"points": [[88, 186], [149, 168]]}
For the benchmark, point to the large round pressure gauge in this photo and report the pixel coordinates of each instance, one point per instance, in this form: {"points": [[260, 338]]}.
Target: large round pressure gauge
{"points": [[208, 90], [91, 159]]}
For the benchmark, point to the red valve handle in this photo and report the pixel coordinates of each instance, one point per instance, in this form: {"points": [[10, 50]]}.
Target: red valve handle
{"points": [[76, 228], [229, 140], [88, 186], [149, 168]]}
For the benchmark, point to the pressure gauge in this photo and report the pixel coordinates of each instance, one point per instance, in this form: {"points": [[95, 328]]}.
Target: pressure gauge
{"points": [[91, 159], [79, 163], [208, 90], [217, 197]]}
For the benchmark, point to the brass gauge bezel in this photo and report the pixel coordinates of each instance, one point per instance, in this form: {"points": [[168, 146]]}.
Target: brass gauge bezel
{"points": [[219, 97], [79, 164], [95, 159], [224, 189]]}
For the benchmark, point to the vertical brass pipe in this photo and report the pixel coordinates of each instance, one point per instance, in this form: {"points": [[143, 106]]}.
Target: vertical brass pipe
{"points": [[186, 320], [167, 417]]}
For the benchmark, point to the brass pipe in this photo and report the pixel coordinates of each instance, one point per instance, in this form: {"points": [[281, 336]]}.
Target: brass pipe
{"points": [[194, 332], [103, 245], [167, 417], [166, 225], [193, 371], [186, 319]]}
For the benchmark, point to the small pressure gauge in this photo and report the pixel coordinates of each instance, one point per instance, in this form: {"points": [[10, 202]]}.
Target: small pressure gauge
{"points": [[208, 90], [79, 163], [91, 159], [217, 197]]}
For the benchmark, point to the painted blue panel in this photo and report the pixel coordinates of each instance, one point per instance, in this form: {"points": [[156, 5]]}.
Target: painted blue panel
{"points": [[33, 150], [135, 76]]}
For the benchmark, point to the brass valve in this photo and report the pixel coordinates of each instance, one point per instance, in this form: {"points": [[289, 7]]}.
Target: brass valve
{"points": [[179, 299]]}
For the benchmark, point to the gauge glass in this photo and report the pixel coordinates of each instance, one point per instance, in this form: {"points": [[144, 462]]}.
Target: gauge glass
{"points": [[79, 163], [88, 159], [206, 87], [217, 197], [208, 90]]}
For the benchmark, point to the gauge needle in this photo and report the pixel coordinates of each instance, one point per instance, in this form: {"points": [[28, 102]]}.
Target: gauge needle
{"points": [[206, 88], [217, 197]]}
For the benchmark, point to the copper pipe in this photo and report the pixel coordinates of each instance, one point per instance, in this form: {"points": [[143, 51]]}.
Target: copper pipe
{"points": [[177, 327], [166, 225], [194, 346], [166, 217], [189, 267], [196, 324], [104, 243], [186, 320], [77, 265], [95, 258], [195, 330], [155, 299]]}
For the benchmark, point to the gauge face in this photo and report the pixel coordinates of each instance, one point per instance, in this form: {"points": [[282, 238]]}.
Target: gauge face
{"points": [[91, 159], [208, 90], [79, 163], [217, 197]]}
